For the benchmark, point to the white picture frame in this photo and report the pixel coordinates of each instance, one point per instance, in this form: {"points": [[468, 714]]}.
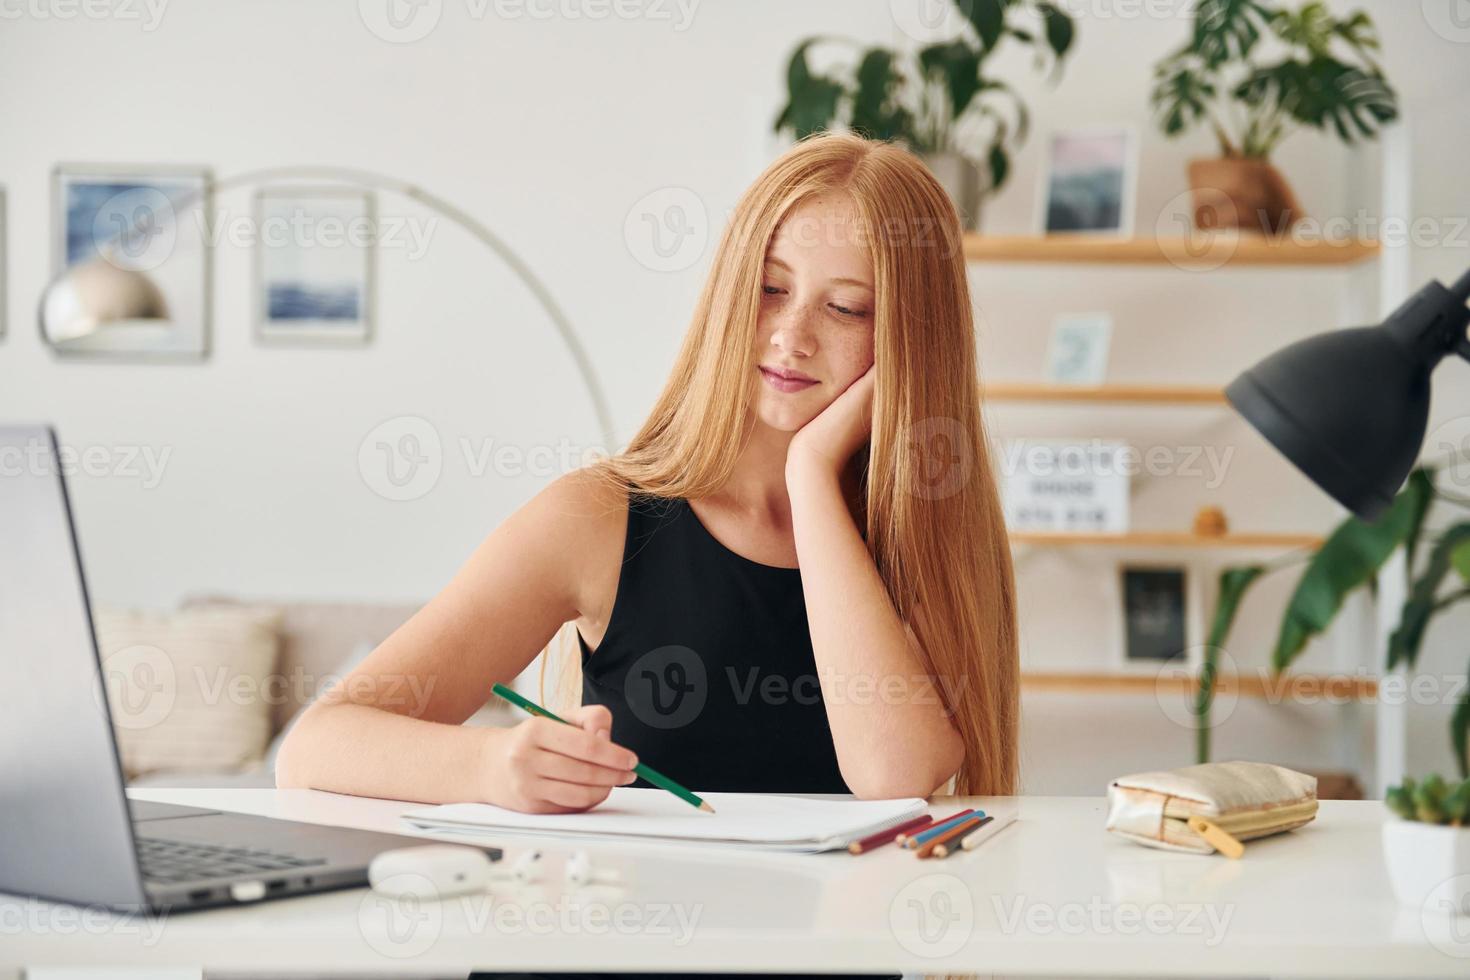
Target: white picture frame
{"points": [[315, 266], [1077, 350], [1191, 659], [1097, 166], [152, 222]]}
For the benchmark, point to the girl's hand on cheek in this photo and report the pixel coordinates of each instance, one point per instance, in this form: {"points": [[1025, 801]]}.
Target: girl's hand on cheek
{"points": [[825, 444]]}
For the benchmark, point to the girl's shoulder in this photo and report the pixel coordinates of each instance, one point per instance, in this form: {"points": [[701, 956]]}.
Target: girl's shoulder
{"points": [[581, 519], [584, 501]]}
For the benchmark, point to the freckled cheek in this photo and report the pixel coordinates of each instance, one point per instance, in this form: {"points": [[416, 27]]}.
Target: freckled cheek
{"points": [[849, 354]]}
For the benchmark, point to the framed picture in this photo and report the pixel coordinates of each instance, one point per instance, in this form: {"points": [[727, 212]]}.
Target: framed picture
{"points": [[1156, 616], [314, 266], [136, 243], [1091, 181], [1078, 351]]}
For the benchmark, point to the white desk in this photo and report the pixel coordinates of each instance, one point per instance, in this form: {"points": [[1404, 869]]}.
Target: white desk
{"points": [[1051, 895]]}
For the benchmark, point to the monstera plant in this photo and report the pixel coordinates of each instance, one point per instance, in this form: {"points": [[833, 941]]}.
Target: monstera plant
{"points": [[1254, 72], [943, 101], [1438, 560]]}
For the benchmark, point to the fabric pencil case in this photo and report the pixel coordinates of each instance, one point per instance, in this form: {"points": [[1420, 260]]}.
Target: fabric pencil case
{"points": [[1245, 800]]}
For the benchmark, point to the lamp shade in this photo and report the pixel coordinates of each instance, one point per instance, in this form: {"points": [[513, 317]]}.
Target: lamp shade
{"points": [[94, 295], [1349, 408]]}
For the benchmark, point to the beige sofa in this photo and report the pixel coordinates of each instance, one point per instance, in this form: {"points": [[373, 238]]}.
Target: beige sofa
{"points": [[316, 641]]}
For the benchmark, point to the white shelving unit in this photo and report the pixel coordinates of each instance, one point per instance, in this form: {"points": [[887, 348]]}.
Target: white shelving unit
{"points": [[1358, 658]]}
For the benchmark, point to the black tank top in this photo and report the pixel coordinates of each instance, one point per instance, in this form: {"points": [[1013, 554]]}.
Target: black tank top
{"points": [[708, 671], [707, 662]]}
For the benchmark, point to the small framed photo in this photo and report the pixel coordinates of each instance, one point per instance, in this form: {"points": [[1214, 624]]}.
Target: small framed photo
{"points": [[1078, 351], [1156, 616], [136, 239], [1091, 181], [314, 265]]}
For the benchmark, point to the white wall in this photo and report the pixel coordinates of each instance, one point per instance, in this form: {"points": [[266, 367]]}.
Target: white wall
{"points": [[550, 130]]}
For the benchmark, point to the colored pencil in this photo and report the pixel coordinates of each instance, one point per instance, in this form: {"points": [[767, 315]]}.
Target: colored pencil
{"points": [[935, 829], [902, 839], [656, 778], [931, 847], [973, 839], [967, 840], [884, 836]]}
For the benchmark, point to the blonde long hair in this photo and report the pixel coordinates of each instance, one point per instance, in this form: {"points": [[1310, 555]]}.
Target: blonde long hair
{"points": [[934, 523]]}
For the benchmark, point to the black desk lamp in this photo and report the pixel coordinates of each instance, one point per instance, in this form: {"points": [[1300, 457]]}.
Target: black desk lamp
{"points": [[1349, 407]]}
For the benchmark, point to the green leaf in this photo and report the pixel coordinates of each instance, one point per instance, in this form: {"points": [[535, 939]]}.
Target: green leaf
{"points": [[876, 110], [1348, 559], [1460, 733], [1429, 799], [1233, 585], [1323, 92], [957, 64], [1312, 27], [1181, 97], [1460, 559], [988, 18], [1422, 480], [1422, 603], [1457, 803], [1060, 31], [1400, 800], [1227, 29], [812, 100], [1000, 166]]}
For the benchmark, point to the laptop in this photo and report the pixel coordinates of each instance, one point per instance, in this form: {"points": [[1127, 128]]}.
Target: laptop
{"points": [[68, 831]]}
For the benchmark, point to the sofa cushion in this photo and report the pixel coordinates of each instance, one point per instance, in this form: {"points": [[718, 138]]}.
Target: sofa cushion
{"points": [[188, 689], [316, 639]]}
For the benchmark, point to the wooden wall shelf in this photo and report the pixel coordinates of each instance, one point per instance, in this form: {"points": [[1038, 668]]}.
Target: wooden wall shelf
{"points": [[1165, 539], [1119, 393], [1322, 688], [1186, 253]]}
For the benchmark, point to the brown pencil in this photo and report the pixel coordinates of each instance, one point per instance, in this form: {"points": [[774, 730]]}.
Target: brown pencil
{"points": [[955, 832], [967, 840], [884, 836]]}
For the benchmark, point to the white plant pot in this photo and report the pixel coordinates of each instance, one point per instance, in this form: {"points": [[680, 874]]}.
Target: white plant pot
{"points": [[1428, 865], [960, 179]]}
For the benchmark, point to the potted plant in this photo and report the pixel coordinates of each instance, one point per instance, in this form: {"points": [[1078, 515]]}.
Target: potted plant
{"points": [[1426, 844], [1254, 71], [942, 102], [1438, 560]]}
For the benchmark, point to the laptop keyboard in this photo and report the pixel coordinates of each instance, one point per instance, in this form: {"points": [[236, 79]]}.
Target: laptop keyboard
{"points": [[179, 860]]}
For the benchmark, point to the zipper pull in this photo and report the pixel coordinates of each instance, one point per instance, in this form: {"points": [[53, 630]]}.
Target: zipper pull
{"points": [[1216, 838]]}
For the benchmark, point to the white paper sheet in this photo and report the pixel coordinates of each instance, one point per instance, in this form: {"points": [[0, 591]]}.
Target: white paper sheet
{"points": [[740, 819]]}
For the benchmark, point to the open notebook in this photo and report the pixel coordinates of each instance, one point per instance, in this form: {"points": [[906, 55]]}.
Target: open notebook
{"points": [[747, 820]]}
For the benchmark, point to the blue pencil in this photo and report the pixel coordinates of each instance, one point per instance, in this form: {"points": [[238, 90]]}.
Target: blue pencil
{"points": [[939, 828]]}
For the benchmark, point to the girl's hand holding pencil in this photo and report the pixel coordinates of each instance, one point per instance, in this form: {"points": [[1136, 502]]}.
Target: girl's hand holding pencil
{"points": [[556, 765]]}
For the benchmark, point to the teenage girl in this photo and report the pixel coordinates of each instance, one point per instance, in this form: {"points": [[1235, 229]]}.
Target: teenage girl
{"points": [[795, 578]]}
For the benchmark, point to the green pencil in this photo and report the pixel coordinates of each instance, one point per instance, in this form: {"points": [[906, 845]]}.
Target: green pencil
{"points": [[653, 776]]}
